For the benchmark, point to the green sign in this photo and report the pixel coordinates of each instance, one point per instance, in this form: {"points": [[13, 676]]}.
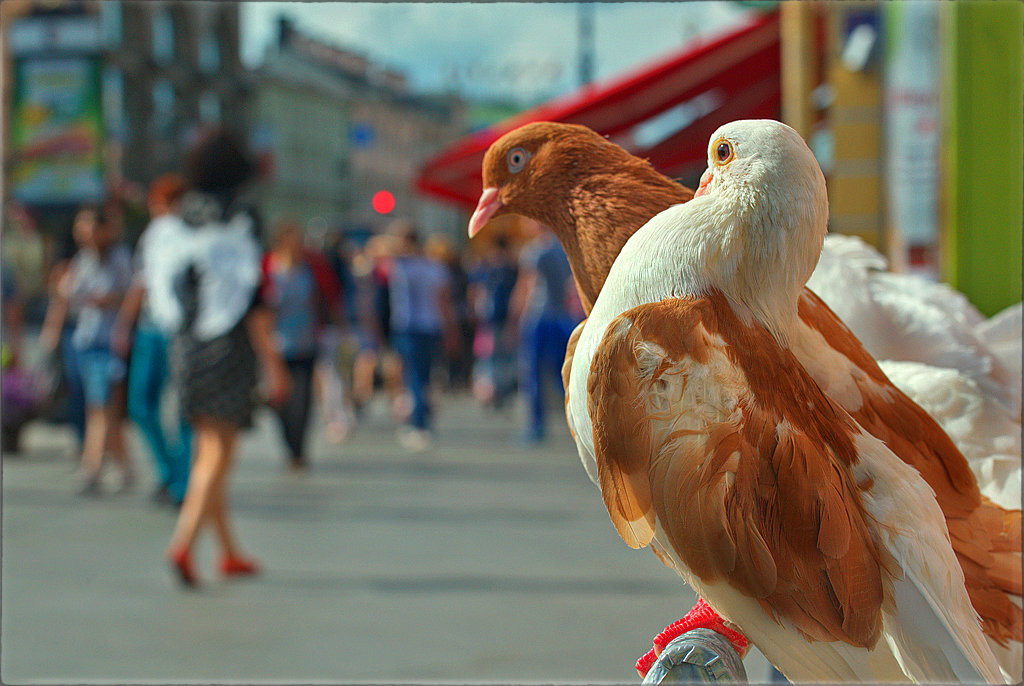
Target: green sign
{"points": [[57, 131]]}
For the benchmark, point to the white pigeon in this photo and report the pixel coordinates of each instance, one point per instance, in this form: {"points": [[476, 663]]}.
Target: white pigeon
{"points": [[1002, 335], [712, 418]]}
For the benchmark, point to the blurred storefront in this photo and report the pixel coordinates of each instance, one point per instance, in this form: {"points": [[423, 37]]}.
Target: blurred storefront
{"points": [[915, 92]]}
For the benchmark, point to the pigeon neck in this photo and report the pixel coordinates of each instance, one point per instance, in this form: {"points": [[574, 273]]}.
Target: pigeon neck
{"points": [[603, 212]]}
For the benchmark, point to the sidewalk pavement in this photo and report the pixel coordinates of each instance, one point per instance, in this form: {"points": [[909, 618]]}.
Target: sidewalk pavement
{"points": [[478, 560]]}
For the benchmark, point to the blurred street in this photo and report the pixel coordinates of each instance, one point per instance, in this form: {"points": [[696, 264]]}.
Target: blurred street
{"points": [[461, 564], [319, 204]]}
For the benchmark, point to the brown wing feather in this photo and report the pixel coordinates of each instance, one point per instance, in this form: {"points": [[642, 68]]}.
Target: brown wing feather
{"points": [[990, 559], [751, 487]]}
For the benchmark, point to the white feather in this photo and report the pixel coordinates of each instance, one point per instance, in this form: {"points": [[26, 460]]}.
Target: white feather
{"points": [[1002, 335], [985, 431], [909, 318], [930, 624]]}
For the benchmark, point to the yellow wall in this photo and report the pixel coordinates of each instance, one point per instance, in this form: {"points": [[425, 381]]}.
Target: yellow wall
{"points": [[856, 195]]}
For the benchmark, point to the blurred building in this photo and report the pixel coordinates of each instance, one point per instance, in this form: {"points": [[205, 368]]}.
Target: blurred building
{"points": [[170, 68], [103, 96], [339, 131]]}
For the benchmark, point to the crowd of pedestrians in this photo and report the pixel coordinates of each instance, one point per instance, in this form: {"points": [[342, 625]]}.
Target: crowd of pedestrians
{"points": [[214, 313]]}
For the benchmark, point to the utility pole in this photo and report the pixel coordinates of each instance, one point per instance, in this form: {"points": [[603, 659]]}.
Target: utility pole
{"points": [[585, 16]]}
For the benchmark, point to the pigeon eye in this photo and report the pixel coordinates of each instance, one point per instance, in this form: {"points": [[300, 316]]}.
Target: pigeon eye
{"points": [[723, 152], [517, 158]]}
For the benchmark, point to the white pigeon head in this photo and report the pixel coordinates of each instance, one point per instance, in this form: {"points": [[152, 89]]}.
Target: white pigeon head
{"points": [[761, 172], [759, 217]]}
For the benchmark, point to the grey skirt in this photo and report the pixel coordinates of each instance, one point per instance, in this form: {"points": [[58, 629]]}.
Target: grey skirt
{"points": [[216, 378]]}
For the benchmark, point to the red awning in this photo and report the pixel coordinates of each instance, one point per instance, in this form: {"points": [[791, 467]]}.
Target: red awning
{"points": [[665, 111]]}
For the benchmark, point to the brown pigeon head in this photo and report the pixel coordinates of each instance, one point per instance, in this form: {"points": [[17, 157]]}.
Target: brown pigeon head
{"points": [[589, 191]]}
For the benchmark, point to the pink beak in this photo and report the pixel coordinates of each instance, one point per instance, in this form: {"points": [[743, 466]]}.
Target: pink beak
{"points": [[705, 179], [485, 209]]}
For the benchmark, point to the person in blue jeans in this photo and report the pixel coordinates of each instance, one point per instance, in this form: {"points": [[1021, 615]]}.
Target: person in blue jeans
{"points": [[545, 304], [147, 370], [63, 353], [72, 377], [491, 288], [93, 287], [147, 378], [421, 318]]}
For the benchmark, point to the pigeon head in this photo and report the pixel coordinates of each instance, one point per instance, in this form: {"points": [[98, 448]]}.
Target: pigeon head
{"points": [[766, 195], [589, 191], [529, 171], [763, 179], [755, 227]]}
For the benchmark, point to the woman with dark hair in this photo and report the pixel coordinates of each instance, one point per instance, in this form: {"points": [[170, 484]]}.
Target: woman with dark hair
{"points": [[203, 283]]}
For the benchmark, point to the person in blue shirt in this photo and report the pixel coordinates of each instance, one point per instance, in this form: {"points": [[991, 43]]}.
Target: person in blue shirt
{"points": [[304, 295], [491, 287], [421, 317], [546, 308]]}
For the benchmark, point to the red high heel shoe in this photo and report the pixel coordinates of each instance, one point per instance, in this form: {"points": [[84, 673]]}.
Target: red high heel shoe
{"points": [[238, 566], [181, 563]]}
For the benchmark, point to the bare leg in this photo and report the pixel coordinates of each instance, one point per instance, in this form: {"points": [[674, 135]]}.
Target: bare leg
{"points": [[218, 502], [391, 370], [362, 376], [92, 445], [115, 437], [207, 469]]}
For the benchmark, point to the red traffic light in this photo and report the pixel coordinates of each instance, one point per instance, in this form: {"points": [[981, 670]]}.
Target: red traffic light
{"points": [[383, 202]]}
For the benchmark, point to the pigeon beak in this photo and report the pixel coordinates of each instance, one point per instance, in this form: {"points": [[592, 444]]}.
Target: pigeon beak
{"points": [[485, 209], [705, 179]]}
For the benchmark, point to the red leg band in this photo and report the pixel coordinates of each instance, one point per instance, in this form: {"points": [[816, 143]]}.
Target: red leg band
{"points": [[700, 617]]}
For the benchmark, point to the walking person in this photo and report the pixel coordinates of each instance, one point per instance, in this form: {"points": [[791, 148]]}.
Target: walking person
{"points": [[421, 316], [148, 369], [491, 291], [92, 289], [546, 308], [331, 393], [203, 286], [304, 295], [371, 269], [63, 320], [458, 352]]}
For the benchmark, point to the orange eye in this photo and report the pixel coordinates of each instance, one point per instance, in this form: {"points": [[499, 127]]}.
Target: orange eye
{"points": [[723, 152]]}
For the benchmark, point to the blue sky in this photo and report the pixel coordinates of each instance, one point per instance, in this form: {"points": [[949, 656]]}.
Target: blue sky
{"points": [[522, 51]]}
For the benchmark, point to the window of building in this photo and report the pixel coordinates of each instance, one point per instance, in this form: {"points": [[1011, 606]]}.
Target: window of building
{"points": [[209, 53], [110, 23], [163, 106], [163, 36], [113, 102], [209, 108]]}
